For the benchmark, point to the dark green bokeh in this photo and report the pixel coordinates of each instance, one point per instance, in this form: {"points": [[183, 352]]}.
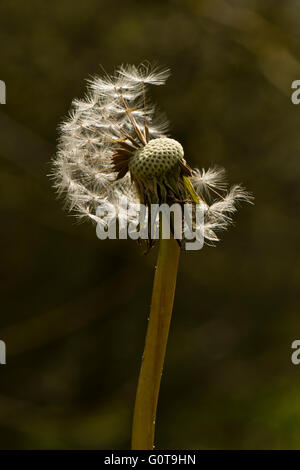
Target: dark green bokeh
{"points": [[74, 309]]}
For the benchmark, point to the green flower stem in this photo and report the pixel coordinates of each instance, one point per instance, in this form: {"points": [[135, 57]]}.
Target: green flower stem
{"points": [[155, 345]]}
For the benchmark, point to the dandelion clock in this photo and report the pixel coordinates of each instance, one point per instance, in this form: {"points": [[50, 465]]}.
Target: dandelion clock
{"points": [[115, 147]]}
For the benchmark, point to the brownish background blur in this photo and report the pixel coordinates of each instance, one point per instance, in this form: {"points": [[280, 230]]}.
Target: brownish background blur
{"points": [[74, 309]]}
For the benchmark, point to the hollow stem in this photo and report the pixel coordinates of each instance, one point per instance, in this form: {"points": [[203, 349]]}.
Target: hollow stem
{"points": [[155, 345]]}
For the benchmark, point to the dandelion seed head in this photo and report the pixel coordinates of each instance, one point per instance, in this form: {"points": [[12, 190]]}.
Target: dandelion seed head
{"points": [[115, 144]]}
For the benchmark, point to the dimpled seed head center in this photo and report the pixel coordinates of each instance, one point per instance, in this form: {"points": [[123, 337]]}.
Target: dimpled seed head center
{"points": [[156, 159]]}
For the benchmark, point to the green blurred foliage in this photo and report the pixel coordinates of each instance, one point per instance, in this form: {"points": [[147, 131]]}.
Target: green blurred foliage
{"points": [[74, 309]]}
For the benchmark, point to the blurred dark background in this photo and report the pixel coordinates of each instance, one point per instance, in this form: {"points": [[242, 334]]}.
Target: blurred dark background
{"points": [[74, 309]]}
